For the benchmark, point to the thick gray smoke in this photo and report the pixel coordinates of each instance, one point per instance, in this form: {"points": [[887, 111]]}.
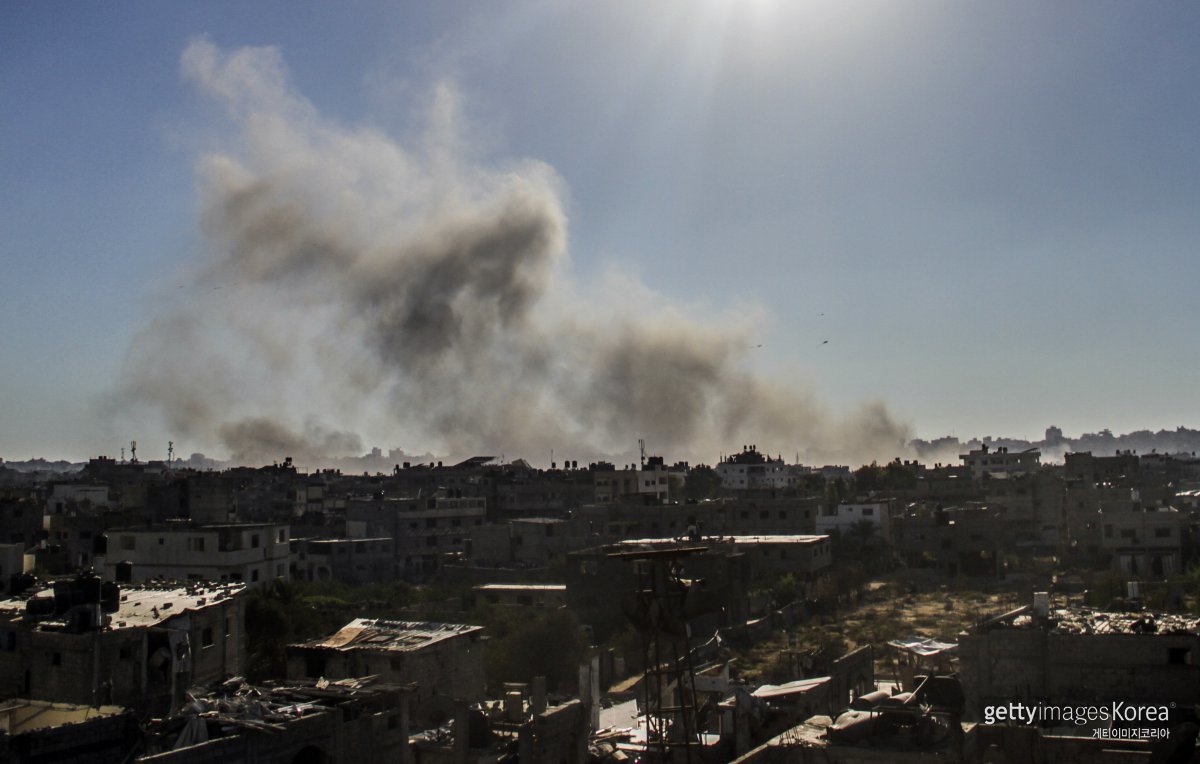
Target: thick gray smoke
{"points": [[360, 290]]}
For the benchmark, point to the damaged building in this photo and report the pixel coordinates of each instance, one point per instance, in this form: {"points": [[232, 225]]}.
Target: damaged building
{"points": [[98, 643], [444, 661], [298, 722]]}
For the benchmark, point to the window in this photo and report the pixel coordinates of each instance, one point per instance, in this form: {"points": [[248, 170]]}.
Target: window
{"points": [[431, 522], [129, 542], [1162, 533], [195, 544], [431, 541], [254, 575], [126, 652], [282, 536], [206, 637], [1178, 656], [254, 542], [868, 511], [55, 659]]}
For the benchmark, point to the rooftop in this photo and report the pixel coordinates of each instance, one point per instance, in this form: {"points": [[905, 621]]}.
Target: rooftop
{"points": [[400, 636], [140, 604], [734, 540], [20, 716], [1079, 621]]}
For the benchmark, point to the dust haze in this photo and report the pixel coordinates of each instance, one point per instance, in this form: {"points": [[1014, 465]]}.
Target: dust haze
{"points": [[359, 290]]}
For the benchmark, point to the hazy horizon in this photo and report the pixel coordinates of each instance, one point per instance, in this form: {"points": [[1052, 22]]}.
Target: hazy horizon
{"points": [[511, 229]]}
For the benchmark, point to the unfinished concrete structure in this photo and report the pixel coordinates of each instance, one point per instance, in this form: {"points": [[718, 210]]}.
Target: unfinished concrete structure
{"points": [[443, 661]]}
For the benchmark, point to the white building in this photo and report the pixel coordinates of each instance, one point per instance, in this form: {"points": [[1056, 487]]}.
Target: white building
{"points": [[751, 470], [1000, 462], [238, 552], [844, 516]]}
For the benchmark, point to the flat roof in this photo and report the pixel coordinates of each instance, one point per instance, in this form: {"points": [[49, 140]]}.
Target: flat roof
{"points": [[141, 604], [736, 540], [1082, 621], [381, 634], [19, 716], [522, 587]]}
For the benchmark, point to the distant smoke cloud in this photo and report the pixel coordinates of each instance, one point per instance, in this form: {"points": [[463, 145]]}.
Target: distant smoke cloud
{"points": [[360, 288]]}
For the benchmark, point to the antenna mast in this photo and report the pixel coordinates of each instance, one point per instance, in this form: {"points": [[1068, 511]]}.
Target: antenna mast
{"points": [[642, 449], [133, 452]]}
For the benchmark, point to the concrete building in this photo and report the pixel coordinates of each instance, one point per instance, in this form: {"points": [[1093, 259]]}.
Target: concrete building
{"points": [[525, 542], [1073, 656], [752, 471], [13, 564], [955, 542], [93, 643], [1000, 462], [843, 517], [730, 567], [424, 529], [650, 484], [1145, 543], [67, 497], [290, 723], [352, 561], [253, 553], [523, 595], [40, 732], [443, 661]]}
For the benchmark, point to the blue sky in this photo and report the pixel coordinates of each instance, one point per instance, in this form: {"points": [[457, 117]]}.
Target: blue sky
{"points": [[991, 212]]}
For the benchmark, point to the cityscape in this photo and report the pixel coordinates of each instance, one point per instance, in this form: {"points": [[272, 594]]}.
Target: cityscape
{"points": [[488, 610], [692, 381]]}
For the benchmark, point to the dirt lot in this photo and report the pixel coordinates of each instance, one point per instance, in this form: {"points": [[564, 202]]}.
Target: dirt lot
{"points": [[883, 615]]}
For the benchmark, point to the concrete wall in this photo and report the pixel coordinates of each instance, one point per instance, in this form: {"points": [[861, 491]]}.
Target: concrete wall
{"points": [[1005, 665]]}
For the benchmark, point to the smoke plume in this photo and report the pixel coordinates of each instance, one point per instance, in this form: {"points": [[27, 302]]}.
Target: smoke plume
{"points": [[358, 289]]}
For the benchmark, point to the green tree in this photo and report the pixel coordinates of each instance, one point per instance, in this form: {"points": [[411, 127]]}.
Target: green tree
{"points": [[702, 482]]}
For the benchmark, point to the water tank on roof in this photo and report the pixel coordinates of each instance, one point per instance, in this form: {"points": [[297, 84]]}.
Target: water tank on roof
{"points": [[124, 573]]}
